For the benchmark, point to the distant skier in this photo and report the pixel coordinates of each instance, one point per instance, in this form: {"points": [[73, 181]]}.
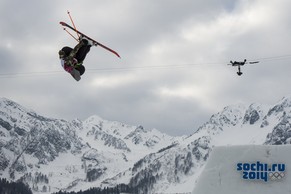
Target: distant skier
{"points": [[72, 59]]}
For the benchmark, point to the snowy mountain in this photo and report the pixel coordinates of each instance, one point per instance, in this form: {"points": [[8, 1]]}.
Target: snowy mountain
{"points": [[177, 167], [52, 154]]}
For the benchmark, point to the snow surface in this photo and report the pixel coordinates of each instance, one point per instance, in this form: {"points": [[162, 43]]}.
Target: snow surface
{"points": [[125, 153], [220, 175]]}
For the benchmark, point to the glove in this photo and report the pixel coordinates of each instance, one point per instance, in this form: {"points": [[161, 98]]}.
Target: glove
{"points": [[71, 61], [62, 54]]}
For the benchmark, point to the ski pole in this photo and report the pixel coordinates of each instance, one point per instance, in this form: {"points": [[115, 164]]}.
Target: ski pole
{"points": [[71, 34], [73, 24]]}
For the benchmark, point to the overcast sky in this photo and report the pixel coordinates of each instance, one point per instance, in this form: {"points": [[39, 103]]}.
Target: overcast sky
{"points": [[173, 73]]}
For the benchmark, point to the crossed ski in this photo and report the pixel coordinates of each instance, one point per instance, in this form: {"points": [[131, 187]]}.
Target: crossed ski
{"points": [[94, 41]]}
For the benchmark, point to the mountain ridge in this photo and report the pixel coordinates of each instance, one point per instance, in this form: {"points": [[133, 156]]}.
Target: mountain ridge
{"points": [[76, 155], [30, 143]]}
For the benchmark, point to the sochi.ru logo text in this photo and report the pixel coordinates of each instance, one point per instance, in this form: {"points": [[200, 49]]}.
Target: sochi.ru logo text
{"points": [[261, 171]]}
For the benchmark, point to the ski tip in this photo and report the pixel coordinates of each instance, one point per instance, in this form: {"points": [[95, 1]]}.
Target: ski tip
{"points": [[114, 52], [63, 23], [117, 54]]}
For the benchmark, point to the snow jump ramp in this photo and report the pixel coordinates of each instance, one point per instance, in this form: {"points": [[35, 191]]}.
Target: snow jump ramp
{"points": [[251, 169]]}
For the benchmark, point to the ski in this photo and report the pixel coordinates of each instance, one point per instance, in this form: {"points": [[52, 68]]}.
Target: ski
{"points": [[94, 41]]}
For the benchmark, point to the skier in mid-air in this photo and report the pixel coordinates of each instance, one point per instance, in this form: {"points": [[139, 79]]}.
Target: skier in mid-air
{"points": [[72, 59]]}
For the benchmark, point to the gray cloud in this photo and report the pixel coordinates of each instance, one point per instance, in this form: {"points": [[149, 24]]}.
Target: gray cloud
{"points": [[174, 57]]}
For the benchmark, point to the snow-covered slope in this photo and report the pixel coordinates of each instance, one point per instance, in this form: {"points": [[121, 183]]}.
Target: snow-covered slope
{"points": [[235, 125], [255, 124], [260, 169], [53, 154]]}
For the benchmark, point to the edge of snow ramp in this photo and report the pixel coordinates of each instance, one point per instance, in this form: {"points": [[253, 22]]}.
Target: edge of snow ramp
{"points": [[260, 169]]}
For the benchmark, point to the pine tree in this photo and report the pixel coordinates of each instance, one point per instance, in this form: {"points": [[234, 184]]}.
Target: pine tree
{"points": [[13, 188]]}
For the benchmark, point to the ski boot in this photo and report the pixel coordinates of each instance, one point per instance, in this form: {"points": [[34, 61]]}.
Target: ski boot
{"points": [[86, 40]]}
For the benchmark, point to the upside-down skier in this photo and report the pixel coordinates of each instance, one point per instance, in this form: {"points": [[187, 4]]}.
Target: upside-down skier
{"points": [[72, 59]]}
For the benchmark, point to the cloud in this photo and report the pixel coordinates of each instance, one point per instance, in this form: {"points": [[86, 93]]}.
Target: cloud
{"points": [[172, 74]]}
